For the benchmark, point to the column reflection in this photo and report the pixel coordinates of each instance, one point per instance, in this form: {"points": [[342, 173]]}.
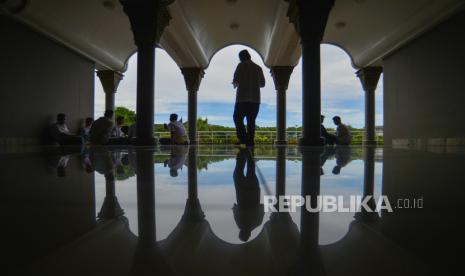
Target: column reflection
{"points": [[148, 259], [310, 261], [368, 187]]}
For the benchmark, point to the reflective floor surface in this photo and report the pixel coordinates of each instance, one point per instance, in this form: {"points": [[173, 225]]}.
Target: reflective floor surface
{"points": [[201, 211]]}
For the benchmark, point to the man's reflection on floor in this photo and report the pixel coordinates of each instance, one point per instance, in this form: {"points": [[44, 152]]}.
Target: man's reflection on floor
{"points": [[342, 154], [343, 157], [248, 212], [177, 159]]}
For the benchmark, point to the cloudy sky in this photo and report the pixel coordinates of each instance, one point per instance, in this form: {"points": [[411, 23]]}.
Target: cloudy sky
{"points": [[341, 90]]}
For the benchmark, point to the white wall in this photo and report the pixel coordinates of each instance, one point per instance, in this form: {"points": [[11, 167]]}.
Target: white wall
{"points": [[424, 88], [39, 79]]}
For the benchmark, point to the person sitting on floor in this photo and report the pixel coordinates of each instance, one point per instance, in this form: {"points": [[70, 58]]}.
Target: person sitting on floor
{"points": [[85, 131], [60, 133], [177, 131], [330, 139], [117, 131], [100, 132], [343, 136]]}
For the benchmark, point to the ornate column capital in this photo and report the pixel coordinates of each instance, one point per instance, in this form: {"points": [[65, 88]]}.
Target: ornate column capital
{"points": [[192, 77], [148, 19], [310, 17], [110, 80], [281, 76], [369, 77]]}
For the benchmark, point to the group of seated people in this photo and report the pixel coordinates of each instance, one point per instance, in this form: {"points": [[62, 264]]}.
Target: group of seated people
{"points": [[342, 135], [105, 131], [102, 131]]}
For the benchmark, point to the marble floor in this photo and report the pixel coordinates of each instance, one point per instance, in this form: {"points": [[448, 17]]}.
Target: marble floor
{"points": [[203, 211]]}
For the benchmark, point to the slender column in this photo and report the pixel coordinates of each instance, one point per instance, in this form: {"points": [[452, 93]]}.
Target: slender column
{"points": [[110, 81], [369, 77], [192, 76], [313, 16], [143, 15], [281, 76]]}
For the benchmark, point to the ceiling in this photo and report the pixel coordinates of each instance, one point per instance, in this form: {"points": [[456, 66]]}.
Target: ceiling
{"points": [[367, 30]]}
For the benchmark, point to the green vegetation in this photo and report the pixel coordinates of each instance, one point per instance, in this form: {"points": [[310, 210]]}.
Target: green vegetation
{"points": [[129, 115], [217, 134]]}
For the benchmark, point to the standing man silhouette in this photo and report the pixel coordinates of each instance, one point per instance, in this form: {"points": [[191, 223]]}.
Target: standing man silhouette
{"points": [[248, 79]]}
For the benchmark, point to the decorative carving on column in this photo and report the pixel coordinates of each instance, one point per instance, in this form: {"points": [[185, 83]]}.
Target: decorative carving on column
{"points": [[281, 76], [369, 77], [293, 14], [192, 77], [312, 25], [164, 18], [148, 19], [110, 81]]}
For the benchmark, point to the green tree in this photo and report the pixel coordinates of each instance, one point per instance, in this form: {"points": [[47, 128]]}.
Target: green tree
{"points": [[129, 115]]}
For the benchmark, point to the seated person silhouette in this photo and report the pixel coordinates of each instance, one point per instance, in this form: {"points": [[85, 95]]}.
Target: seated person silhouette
{"points": [[100, 132], [248, 212], [85, 131], [342, 136], [117, 131], [118, 137], [177, 159], [330, 139], [60, 133], [177, 132]]}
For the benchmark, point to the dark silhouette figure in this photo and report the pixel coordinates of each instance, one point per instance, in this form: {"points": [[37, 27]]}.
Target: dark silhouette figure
{"points": [[100, 132], [343, 136], [248, 79], [330, 139], [85, 131], [248, 212], [60, 133]]}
